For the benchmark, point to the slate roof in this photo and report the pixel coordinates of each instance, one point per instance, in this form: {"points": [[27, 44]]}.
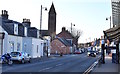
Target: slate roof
{"points": [[66, 34], [8, 25], [45, 33], [32, 32], [64, 41]]}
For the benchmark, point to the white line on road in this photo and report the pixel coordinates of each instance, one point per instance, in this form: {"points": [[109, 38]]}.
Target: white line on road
{"points": [[50, 67], [45, 69], [59, 64]]}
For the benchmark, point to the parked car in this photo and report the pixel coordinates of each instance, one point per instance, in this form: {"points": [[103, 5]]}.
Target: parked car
{"points": [[78, 52], [20, 56], [91, 53]]}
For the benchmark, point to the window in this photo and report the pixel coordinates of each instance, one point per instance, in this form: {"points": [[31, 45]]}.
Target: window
{"points": [[25, 47], [18, 46], [16, 29], [37, 48], [12, 47]]}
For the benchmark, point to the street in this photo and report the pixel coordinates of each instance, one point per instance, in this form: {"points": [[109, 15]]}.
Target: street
{"points": [[67, 63]]}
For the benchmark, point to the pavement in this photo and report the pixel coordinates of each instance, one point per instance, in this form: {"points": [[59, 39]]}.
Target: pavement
{"points": [[107, 67]]}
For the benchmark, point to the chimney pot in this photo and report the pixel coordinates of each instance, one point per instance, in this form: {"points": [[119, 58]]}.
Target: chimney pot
{"points": [[63, 29]]}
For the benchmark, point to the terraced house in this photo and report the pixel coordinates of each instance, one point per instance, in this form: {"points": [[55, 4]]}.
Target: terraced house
{"points": [[16, 36]]}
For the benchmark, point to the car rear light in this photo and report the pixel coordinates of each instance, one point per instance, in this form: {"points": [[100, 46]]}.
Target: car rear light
{"points": [[20, 54]]}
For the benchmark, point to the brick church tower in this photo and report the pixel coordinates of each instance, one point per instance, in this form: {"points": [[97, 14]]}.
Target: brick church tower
{"points": [[52, 21]]}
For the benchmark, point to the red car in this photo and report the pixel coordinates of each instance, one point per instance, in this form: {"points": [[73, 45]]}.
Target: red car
{"points": [[78, 52]]}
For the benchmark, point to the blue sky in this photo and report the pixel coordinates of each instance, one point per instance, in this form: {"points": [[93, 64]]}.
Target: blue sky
{"points": [[87, 15]]}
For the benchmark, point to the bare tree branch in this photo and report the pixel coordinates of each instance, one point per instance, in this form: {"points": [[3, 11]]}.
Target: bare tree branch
{"points": [[76, 33]]}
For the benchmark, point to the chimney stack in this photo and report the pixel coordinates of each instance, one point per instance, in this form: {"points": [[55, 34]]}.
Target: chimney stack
{"points": [[4, 14], [26, 22]]}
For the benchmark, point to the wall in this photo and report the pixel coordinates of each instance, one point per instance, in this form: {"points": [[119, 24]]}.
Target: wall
{"points": [[57, 47], [37, 47], [14, 43], [27, 45]]}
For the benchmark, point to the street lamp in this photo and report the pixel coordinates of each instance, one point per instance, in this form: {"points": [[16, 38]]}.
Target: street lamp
{"points": [[2, 37], [41, 17], [110, 20], [71, 26]]}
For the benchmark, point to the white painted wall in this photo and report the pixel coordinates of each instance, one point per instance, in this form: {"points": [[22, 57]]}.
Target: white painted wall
{"points": [[27, 45], [37, 47], [13, 43]]}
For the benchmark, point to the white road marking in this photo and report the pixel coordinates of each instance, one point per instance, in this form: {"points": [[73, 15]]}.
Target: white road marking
{"points": [[59, 64], [45, 69]]}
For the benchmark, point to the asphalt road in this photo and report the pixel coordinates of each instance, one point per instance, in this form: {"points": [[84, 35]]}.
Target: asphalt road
{"points": [[67, 63]]}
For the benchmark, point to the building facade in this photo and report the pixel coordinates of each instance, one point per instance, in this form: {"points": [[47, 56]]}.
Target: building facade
{"points": [[19, 37], [61, 46]]}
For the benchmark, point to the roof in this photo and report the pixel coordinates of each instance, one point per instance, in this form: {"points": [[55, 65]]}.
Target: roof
{"points": [[113, 34], [64, 41], [32, 32], [45, 33], [8, 25], [52, 9], [65, 34]]}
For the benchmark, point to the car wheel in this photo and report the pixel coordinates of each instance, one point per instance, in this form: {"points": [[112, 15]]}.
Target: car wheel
{"points": [[10, 62], [22, 61]]}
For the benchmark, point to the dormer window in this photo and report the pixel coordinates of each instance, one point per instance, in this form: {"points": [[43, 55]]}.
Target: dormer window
{"points": [[15, 29]]}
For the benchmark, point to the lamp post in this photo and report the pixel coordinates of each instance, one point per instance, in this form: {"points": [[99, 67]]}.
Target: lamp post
{"points": [[41, 16], [2, 37], [110, 20], [71, 26]]}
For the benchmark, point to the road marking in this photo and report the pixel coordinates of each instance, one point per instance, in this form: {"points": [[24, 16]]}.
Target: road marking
{"points": [[90, 68], [59, 64], [45, 69]]}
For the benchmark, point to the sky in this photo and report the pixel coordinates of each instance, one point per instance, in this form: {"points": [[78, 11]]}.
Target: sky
{"points": [[89, 16]]}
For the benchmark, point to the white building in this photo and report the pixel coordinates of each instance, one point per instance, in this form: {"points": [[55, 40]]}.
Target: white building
{"points": [[19, 37]]}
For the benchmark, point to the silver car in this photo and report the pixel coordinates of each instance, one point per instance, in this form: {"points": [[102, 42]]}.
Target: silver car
{"points": [[20, 56]]}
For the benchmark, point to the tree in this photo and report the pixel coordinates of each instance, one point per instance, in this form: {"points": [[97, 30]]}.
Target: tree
{"points": [[76, 33]]}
